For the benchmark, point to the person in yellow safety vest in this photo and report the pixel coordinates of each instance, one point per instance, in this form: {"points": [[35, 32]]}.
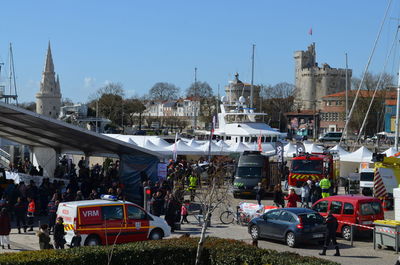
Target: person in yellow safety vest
{"points": [[325, 184], [192, 186]]}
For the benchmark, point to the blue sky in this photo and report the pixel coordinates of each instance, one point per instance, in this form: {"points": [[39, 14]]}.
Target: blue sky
{"points": [[139, 43]]}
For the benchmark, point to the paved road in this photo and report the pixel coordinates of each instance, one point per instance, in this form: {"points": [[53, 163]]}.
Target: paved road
{"points": [[362, 253]]}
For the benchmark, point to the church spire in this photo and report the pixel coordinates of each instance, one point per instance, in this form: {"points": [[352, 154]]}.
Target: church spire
{"points": [[49, 66]]}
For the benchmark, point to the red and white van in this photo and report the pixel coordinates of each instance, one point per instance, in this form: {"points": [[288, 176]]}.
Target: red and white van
{"points": [[351, 209], [101, 222]]}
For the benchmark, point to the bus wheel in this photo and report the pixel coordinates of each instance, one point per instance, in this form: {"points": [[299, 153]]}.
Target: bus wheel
{"points": [[92, 240], [156, 235]]}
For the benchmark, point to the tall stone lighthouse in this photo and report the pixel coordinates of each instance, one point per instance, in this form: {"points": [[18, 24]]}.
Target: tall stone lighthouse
{"points": [[48, 99]]}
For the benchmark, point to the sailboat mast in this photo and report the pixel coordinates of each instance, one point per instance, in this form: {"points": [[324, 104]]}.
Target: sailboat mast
{"points": [[252, 78], [396, 138]]}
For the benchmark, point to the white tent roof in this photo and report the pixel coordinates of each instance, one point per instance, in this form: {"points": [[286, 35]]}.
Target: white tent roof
{"points": [[238, 148], [391, 151], [313, 148], [339, 150], [289, 150], [215, 149], [160, 142], [359, 156], [194, 143], [183, 149], [223, 144]]}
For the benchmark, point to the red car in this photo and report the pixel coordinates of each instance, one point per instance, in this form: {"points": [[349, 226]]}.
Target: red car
{"points": [[351, 209]]}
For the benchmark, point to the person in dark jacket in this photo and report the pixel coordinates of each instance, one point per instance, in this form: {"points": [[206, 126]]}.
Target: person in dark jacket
{"points": [[259, 193], [331, 225], [5, 228], [172, 212], [52, 210], [278, 196], [76, 240], [157, 204], [20, 212], [59, 233]]}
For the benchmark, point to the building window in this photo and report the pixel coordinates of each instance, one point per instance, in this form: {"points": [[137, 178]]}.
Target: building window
{"points": [[228, 137], [50, 113]]}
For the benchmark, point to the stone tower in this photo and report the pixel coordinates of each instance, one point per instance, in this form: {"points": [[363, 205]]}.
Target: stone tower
{"points": [[313, 82], [237, 88], [48, 99]]}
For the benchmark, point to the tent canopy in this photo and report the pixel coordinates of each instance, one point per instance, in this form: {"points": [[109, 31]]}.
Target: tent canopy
{"points": [[361, 155]]}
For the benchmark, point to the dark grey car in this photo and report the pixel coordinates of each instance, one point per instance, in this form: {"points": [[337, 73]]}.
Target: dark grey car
{"points": [[292, 225]]}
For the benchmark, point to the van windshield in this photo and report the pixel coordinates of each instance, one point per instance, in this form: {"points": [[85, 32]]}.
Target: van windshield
{"points": [[370, 208], [249, 172], [307, 166], [367, 176]]}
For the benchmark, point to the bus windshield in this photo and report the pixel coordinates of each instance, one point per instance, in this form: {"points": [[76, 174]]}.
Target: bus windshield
{"points": [[307, 166], [249, 172]]}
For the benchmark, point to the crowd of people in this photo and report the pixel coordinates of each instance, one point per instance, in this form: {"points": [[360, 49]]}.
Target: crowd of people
{"points": [[24, 203]]}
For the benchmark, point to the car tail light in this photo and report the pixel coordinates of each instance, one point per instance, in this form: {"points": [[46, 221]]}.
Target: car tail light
{"points": [[300, 225]]}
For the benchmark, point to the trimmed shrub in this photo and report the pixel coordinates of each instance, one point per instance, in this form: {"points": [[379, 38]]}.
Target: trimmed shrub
{"points": [[177, 251]]}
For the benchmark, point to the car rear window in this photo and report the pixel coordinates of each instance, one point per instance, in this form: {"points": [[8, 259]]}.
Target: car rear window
{"points": [[311, 218], [370, 208]]}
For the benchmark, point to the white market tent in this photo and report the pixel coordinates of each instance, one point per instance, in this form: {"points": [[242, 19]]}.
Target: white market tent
{"points": [[313, 148], [339, 150], [238, 148], [350, 162], [289, 150], [222, 144], [390, 152]]}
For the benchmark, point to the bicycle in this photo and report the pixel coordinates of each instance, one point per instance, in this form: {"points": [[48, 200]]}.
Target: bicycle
{"points": [[229, 217]]}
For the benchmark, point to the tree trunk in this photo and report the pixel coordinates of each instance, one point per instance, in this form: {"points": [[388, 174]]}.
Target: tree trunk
{"points": [[201, 241]]}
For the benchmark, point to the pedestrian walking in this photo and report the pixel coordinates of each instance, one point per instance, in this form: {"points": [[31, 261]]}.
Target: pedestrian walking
{"points": [[331, 225], [278, 196], [44, 237], [292, 199], [192, 186], [157, 204], [5, 228], [184, 213], [52, 209], [259, 193], [20, 214], [305, 195], [59, 233], [31, 213]]}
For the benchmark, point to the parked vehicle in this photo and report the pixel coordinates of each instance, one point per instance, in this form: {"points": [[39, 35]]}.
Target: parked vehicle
{"points": [[331, 137], [252, 168], [310, 166], [351, 209], [102, 222], [292, 225], [366, 181]]}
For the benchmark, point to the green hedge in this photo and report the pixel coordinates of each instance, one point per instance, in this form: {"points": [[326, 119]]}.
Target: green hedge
{"points": [[178, 251]]}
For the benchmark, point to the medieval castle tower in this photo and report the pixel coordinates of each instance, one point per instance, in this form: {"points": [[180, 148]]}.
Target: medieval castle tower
{"points": [[48, 99], [313, 82]]}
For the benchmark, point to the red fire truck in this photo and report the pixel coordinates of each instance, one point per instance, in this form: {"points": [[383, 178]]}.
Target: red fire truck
{"points": [[310, 166]]}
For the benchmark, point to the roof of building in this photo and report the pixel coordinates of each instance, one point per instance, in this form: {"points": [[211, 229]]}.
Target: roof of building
{"points": [[301, 112], [32, 129], [363, 93], [169, 104]]}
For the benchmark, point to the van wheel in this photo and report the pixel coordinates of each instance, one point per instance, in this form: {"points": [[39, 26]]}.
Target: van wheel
{"points": [[346, 232], [156, 234], [93, 241]]}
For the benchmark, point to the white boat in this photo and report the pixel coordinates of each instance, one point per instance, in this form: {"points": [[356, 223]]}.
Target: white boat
{"points": [[238, 123]]}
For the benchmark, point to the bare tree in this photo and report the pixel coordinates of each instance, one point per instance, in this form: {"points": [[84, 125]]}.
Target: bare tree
{"points": [[277, 100], [164, 91], [210, 198], [199, 90]]}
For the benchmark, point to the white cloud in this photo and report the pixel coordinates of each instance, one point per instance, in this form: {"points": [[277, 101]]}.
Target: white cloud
{"points": [[89, 82]]}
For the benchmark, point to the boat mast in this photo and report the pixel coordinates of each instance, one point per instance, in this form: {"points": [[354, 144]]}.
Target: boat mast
{"points": [[195, 98], [396, 138], [252, 78], [347, 96]]}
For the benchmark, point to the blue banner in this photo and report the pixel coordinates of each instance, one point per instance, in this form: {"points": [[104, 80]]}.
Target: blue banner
{"points": [[133, 170]]}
